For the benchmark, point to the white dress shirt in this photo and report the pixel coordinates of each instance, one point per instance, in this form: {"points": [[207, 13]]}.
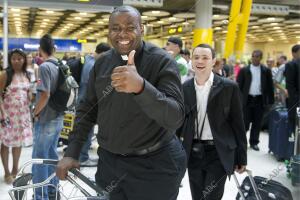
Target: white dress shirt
{"points": [[202, 92], [255, 87]]}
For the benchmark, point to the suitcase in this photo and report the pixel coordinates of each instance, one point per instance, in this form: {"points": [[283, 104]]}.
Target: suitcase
{"points": [[259, 188], [295, 170], [280, 143]]}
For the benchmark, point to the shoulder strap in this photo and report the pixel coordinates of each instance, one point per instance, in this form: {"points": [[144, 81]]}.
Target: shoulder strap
{"points": [[53, 62], [199, 134]]}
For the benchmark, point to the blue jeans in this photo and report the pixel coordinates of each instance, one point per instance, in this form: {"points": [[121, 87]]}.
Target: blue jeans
{"points": [[84, 154], [82, 92], [45, 141]]}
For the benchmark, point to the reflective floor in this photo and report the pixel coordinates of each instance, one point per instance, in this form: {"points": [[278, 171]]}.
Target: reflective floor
{"points": [[261, 163]]}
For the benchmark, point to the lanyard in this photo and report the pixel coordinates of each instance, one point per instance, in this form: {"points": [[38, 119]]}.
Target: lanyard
{"points": [[199, 135]]}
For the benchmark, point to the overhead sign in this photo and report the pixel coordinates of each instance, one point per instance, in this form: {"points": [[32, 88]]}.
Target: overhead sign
{"points": [[87, 41], [29, 44], [175, 30], [269, 9]]}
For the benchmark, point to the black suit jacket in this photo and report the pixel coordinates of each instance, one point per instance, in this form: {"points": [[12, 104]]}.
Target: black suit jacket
{"points": [[244, 80], [292, 73], [224, 113]]}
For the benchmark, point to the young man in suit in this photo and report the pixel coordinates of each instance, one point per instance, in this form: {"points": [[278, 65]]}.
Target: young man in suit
{"points": [[213, 131], [292, 69], [256, 84]]}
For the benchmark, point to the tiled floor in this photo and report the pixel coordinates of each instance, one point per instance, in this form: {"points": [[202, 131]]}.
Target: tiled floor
{"points": [[261, 163]]}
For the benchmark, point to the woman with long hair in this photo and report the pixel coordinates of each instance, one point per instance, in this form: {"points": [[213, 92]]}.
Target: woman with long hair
{"points": [[16, 126]]}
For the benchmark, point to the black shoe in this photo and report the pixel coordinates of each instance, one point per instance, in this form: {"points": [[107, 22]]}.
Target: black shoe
{"points": [[255, 147]]}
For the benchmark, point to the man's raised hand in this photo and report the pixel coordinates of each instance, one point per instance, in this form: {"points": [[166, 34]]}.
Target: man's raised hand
{"points": [[126, 78]]}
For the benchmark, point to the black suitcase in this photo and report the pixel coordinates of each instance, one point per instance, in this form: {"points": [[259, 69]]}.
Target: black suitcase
{"points": [[279, 135], [259, 188]]}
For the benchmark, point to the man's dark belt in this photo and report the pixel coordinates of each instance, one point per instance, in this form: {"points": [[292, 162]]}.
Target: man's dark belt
{"points": [[153, 148], [255, 96], [205, 142]]}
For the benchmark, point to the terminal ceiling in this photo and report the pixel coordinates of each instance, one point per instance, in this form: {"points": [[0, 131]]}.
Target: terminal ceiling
{"points": [[85, 21]]}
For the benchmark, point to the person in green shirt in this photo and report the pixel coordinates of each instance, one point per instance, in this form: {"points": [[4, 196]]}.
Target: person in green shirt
{"points": [[174, 46]]}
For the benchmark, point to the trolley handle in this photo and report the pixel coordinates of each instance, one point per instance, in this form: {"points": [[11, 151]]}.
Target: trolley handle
{"points": [[254, 186], [87, 181], [50, 162]]}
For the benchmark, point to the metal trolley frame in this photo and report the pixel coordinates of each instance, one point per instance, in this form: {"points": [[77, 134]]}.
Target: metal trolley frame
{"points": [[23, 186]]}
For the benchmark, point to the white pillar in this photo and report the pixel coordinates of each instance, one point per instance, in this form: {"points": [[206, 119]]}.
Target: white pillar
{"points": [[5, 34], [203, 32], [204, 14]]}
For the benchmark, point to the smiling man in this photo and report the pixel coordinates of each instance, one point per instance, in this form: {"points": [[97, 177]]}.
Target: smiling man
{"points": [[213, 132], [135, 96]]}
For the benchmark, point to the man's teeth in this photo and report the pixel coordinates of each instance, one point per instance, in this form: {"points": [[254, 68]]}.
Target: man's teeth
{"points": [[124, 42]]}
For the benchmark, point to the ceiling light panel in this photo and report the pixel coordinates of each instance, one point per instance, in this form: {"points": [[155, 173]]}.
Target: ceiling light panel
{"points": [[83, 15], [156, 13], [185, 15]]}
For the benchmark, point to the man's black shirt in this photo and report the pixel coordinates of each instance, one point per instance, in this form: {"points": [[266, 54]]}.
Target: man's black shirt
{"points": [[129, 122]]}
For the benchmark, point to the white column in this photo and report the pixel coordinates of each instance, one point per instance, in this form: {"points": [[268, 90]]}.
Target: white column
{"points": [[5, 34]]}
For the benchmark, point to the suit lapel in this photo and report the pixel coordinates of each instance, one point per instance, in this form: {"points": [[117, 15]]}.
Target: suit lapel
{"points": [[191, 96], [249, 76], [262, 78], [215, 88]]}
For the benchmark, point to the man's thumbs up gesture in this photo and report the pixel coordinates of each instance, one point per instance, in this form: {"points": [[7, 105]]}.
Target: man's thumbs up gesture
{"points": [[126, 78]]}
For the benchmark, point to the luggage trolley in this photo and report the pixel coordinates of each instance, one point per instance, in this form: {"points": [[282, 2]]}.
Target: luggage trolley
{"points": [[75, 187]]}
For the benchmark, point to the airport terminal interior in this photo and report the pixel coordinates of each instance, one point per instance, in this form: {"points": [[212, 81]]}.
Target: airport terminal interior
{"points": [[235, 28]]}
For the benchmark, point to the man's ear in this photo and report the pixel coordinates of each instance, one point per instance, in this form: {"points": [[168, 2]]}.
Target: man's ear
{"points": [[214, 61], [142, 29]]}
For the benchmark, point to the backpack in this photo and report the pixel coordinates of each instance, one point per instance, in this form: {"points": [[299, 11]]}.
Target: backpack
{"points": [[65, 95], [76, 65]]}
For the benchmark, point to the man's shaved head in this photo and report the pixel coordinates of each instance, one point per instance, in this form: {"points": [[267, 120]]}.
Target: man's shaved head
{"points": [[127, 9]]}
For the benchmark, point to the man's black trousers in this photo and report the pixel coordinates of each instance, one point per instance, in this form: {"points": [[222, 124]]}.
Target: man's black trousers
{"points": [[206, 174], [156, 175], [253, 113]]}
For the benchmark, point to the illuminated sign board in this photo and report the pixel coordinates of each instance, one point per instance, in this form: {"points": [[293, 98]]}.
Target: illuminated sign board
{"points": [[29, 44], [175, 30]]}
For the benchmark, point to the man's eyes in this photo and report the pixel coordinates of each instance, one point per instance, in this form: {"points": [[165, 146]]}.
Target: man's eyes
{"points": [[127, 29], [130, 28], [116, 29], [203, 58]]}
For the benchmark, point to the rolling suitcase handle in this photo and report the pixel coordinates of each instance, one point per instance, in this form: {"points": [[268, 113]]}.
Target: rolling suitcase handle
{"points": [[254, 186], [238, 187], [297, 132]]}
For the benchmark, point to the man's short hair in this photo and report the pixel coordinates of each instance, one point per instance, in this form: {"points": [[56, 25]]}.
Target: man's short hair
{"points": [[176, 40], [102, 47], [124, 8], [295, 48], [47, 44], [207, 46], [283, 57], [259, 52]]}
